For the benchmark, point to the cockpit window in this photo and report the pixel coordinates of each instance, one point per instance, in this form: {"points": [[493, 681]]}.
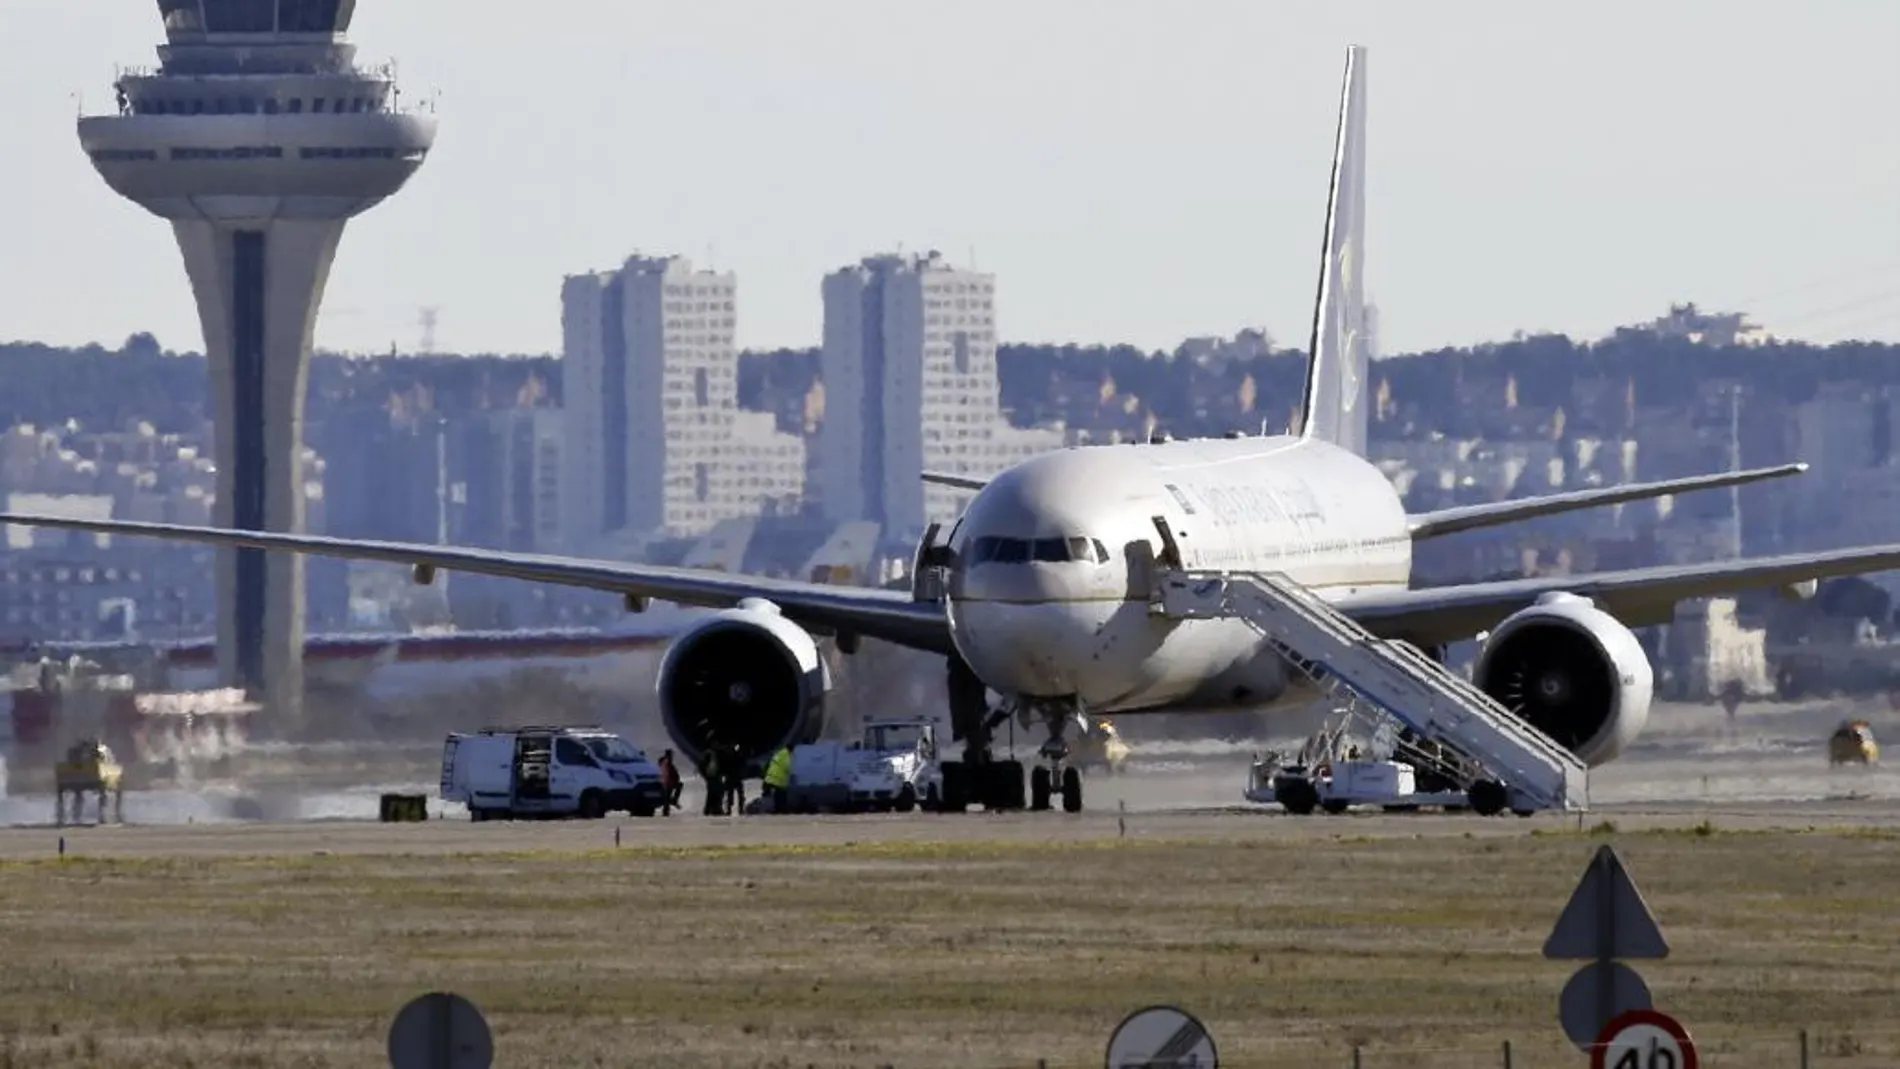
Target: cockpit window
{"points": [[993, 550], [1001, 550]]}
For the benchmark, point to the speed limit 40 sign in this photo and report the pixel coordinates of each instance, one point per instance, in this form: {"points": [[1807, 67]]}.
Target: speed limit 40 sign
{"points": [[1643, 1039]]}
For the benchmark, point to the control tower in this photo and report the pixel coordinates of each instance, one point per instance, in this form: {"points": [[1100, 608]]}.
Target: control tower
{"points": [[257, 138]]}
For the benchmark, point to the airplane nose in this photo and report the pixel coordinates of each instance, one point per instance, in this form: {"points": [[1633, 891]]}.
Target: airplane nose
{"points": [[1017, 649], [1019, 635]]}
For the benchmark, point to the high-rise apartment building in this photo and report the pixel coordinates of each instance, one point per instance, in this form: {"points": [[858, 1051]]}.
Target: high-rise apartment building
{"points": [[653, 438], [909, 367], [509, 476]]}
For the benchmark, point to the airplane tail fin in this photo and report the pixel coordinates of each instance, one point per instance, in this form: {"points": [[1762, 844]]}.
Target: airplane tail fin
{"points": [[1336, 391]]}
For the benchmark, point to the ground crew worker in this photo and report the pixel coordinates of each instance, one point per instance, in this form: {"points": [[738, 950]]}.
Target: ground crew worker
{"points": [[778, 779], [715, 785], [734, 765], [669, 784]]}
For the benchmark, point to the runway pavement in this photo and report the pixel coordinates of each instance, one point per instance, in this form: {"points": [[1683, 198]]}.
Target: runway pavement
{"points": [[1768, 765]]}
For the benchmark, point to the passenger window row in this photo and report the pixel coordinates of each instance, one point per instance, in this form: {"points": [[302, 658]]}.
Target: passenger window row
{"points": [[1023, 550]]}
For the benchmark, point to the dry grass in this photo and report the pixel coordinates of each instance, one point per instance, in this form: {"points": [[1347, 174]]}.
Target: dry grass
{"points": [[972, 954]]}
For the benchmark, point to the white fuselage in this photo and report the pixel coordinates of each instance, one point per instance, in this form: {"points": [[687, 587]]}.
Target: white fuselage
{"points": [[1049, 586]]}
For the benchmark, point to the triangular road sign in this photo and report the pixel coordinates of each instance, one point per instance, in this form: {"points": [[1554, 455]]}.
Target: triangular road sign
{"points": [[1606, 917]]}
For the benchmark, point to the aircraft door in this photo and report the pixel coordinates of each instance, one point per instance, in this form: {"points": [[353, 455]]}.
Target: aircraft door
{"points": [[930, 564]]}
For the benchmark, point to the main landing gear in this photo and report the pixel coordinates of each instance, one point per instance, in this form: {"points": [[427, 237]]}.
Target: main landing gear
{"points": [[980, 778], [983, 779]]}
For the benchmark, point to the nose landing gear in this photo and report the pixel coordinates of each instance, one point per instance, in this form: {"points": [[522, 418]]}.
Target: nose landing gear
{"points": [[1055, 768], [1040, 784]]}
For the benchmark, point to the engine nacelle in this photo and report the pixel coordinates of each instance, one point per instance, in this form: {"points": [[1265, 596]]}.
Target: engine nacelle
{"points": [[744, 676], [1572, 670]]}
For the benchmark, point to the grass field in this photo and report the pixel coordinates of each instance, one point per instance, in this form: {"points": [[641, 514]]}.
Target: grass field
{"points": [[1425, 950]]}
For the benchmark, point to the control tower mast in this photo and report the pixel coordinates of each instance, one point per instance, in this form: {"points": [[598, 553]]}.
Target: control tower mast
{"points": [[258, 137]]}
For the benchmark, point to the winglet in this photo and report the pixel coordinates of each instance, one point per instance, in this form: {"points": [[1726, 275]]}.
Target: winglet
{"points": [[961, 482]]}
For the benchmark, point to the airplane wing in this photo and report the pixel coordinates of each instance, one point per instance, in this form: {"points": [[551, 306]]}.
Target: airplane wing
{"points": [[1467, 517], [961, 482], [400, 646], [1638, 597], [890, 615]]}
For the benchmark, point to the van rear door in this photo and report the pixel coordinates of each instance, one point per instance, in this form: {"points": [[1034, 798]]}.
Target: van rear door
{"points": [[484, 765]]}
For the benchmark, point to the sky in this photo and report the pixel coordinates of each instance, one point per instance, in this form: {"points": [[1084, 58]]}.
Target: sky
{"points": [[1130, 172]]}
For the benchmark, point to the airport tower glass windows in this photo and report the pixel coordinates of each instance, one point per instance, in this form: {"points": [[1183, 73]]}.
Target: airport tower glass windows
{"points": [[240, 16], [307, 16], [181, 16]]}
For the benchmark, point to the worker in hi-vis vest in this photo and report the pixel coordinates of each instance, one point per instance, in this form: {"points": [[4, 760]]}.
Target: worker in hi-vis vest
{"points": [[778, 777]]}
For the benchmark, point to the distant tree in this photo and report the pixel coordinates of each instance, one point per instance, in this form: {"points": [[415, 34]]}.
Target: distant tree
{"points": [[141, 346]]}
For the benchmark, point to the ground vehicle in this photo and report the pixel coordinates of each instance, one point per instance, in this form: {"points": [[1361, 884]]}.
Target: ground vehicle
{"points": [[1101, 746], [1334, 786], [1853, 744], [89, 768], [157, 736], [893, 765], [1358, 757], [548, 772]]}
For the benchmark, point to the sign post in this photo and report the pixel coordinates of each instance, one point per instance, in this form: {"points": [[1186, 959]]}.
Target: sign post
{"points": [[1161, 1036], [1605, 919], [440, 1031], [1644, 1039]]}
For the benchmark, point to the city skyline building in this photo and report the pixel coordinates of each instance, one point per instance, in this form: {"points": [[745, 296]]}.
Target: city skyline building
{"points": [[511, 479], [909, 367], [258, 137], [654, 442]]}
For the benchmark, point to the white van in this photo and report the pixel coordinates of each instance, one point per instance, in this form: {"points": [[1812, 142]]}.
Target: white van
{"points": [[548, 772]]}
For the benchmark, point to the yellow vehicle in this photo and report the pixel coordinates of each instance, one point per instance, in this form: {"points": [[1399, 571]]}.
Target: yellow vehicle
{"points": [[89, 767], [1100, 747], [1853, 744]]}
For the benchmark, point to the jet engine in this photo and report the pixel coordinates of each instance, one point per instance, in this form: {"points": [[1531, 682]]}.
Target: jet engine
{"points": [[746, 676], [1573, 671]]}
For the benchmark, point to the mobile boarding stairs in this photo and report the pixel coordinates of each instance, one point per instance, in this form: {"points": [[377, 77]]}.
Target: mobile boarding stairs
{"points": [[1530, 771]]}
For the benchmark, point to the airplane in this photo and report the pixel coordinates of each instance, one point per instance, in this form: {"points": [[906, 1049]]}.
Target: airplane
{"points": [[1041, 590]]}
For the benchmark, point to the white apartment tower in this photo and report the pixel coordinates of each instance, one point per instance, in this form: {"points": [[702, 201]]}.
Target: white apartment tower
{"points": [[654, 439], [909, 368]]}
